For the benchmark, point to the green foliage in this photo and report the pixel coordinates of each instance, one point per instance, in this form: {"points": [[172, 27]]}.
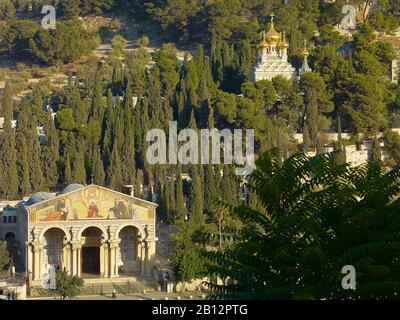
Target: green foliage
{"points": [[7, 9], [319, 216], [67, 286], [118, 44], [392, 148], [4, 256], [8, 153], [63, 45], [143, 41], [186, 259]]}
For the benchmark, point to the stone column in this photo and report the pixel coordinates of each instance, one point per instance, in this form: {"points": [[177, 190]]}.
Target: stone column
{"points": [[73, 269], [150, 253], [75, 261], [29, 266], [106, 259], [37, 263], [66, 257], [102, 259], [142, 258], [114, 244], [79, 255]]}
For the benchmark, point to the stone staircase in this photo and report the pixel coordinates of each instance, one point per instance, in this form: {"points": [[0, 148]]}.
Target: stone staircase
{"points": [[104, 288]]}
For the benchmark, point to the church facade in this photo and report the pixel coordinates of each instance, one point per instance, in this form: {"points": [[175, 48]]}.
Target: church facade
{"points": [[272, 59], [91, 231]]}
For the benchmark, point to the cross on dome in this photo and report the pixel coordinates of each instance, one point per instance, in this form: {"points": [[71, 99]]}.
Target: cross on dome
{"points": [[272, 17]]}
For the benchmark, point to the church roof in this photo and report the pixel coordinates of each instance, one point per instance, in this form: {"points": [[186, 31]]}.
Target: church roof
{"points": [[41, 197], [71, 187]]}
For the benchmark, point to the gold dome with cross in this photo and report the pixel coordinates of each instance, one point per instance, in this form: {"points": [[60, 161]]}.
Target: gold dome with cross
{"points": [[272, 35]]}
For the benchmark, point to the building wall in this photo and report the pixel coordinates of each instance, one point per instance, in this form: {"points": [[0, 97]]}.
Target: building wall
{"points": [[105, 210]]}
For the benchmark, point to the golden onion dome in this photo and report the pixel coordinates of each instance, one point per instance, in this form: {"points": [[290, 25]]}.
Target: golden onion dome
{"points": [[272, 35], [283, 44], [263, 44]]}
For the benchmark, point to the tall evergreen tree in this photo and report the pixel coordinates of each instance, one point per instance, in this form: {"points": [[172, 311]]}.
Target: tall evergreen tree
{"points": [[68, 171], [340, 148], [180, 198], [210, 188], [114, 171], [35, 159], [23, 149], [196, 198], [97, 167], [78, 166], [50, 152], [165, 201], [9, 183]]}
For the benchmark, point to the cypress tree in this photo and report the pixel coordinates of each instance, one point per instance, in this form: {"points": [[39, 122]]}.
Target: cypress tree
{"points": [[9, 183], [155, 100], [50, 152], [172, 204], [97, 167], [78, 167], [210, 188], [68, 171], [192, 122], [165, 200], [199, 59], [228, 186], [139, 183], [211, 120], [75, 103], [108, 131], [196, 198], [180, 198], [180, 106], [340, 156], [22, 147], [128, 149], [97, 112], [35, 160], [114, 172], [306, 138], [376, 152]]}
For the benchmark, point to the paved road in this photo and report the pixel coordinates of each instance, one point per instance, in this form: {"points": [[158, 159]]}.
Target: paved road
{"points": [[138, 296]]}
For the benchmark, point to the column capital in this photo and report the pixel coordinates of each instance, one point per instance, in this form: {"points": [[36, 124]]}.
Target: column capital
{"points": [[114, 243], [76, 245], [148, 242], [37, 246]]}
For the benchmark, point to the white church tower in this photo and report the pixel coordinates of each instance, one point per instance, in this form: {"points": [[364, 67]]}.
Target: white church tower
{"points": [[305, 67], [272, 58]]}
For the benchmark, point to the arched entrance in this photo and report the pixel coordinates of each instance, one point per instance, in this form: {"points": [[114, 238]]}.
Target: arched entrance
{"points": [[90, 255], [10, 237], [12, 246], [53, 244], [128, 250]]}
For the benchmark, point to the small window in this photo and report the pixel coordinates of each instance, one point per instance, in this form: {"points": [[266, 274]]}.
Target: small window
{"points": [[9, 219], [14, 219], [4, 219]]}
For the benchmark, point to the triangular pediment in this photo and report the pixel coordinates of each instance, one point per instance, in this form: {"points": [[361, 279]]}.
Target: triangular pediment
{"points": [[91, 202]]}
